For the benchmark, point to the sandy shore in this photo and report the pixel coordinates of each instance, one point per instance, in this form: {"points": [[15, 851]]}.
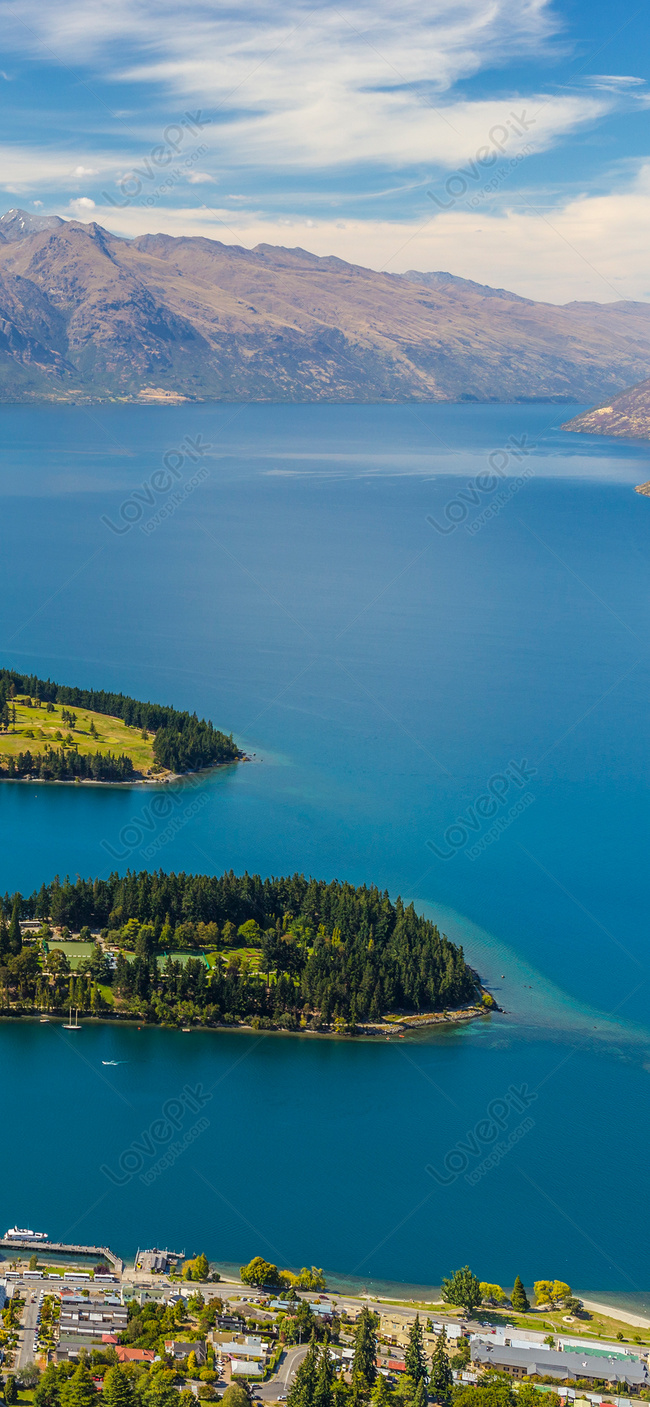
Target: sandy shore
{"points": [[597, 1307]]}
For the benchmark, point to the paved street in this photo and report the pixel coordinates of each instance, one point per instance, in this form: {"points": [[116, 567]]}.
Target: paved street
{"points": [[25, 1352], [282, 1380]]}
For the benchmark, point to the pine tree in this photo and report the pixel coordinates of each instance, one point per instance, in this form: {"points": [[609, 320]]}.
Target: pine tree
{"points": [[365, 1348], [79, 1390], [325, 1380], [304, 1384], [340, 1391], [380, 1396], [118, 1389], [11, 1391], [519, 1299], [46, 1394], [421, 1395], [15, 937], [441, 1377], [5, 944], [415, 1359]]}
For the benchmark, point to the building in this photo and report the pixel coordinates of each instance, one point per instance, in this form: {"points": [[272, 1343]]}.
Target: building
{"points": [[134, 1355], [244, 1368], [397, 1327], [91, 1317], [507, 1336], [232, 1322], [152, 1262], [587, 1368], [246, 1347], [182, 1348]]}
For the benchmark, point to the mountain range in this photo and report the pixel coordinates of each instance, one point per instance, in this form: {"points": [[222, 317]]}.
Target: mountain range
{"points": [[85, 314]]}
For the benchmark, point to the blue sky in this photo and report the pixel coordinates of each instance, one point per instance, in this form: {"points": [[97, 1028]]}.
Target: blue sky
{"points": [[506, 142]]}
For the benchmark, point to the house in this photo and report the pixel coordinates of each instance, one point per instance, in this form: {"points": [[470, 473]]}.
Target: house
{"points": [[397, 1327], [152, 1262], [182, 1348], [134, 1355], [244, 1368], [245, 1348], [589, 1368], [232, 1322]]}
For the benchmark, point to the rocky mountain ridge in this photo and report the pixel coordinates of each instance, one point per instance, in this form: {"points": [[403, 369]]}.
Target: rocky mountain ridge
{"points": [[625, 417], [85, 314]]}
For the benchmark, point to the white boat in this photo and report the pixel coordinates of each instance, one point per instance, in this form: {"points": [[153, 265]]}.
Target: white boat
{"points": [[73, 1025], [21, 1233]]}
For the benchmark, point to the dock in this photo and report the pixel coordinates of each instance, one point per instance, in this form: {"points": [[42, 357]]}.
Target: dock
{"points": [[61, 1248]]}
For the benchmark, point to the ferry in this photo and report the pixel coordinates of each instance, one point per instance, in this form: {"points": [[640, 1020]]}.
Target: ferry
{"points": [[21, 1233]]}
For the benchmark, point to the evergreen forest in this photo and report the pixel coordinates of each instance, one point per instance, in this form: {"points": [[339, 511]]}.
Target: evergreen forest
{"points": [[275, 953]]}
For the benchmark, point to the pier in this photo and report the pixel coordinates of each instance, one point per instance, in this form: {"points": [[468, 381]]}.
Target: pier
{"points": [[99, 1252]]}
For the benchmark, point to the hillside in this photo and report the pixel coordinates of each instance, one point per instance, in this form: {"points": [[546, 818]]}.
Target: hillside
{"points": [[626, 416], [85, 314], [58, 732]]}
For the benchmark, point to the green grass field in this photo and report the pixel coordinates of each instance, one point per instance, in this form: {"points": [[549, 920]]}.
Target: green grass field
{"points": [[73, 951], [35, 729]]}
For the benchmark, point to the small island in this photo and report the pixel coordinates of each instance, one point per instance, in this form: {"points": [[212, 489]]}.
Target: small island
{"points": [[53, 732], [287, 954]]}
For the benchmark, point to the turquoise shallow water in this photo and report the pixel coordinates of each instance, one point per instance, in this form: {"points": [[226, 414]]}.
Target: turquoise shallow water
{"points": [[387, 675]]}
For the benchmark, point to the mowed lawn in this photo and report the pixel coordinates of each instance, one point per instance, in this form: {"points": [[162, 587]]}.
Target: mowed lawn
{"points": [[35, 730]]}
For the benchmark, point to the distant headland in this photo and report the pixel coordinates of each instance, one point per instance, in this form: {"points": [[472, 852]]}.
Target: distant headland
{"points": [[625, 416], [54, 732]]}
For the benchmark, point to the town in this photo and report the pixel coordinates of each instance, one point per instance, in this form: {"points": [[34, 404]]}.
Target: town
{"points": [[166, 1330]]}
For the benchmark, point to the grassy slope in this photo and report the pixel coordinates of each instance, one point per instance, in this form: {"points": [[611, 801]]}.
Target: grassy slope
{"points": [[113, 735], [553, 1321]]}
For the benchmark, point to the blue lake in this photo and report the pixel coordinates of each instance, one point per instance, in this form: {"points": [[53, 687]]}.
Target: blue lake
{"points": [[430, 625]]}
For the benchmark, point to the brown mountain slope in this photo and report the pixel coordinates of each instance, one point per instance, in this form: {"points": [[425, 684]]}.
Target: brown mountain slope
{"points": [[627, 416], [85, 313]]}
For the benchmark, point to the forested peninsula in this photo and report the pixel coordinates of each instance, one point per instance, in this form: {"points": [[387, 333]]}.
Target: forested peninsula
{"points": [[287, 953], [55, 732]]}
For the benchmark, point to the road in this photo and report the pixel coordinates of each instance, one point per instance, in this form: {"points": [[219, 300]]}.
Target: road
{"points": [[282, 1380], [25, 1353]]}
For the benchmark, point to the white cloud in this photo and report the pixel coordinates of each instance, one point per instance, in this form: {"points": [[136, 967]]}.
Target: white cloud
{"points": [[38, 204], [575, 252], [82, 206], [200, 178], [85, 171], [302, 86], [23, 167]]}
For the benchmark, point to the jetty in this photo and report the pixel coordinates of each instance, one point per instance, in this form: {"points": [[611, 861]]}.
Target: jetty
{"points": [[62, 1248]]}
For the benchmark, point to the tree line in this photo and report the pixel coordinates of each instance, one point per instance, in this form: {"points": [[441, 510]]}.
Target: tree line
{"points": [[66, 764], [321, 952], [182, 741]]}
